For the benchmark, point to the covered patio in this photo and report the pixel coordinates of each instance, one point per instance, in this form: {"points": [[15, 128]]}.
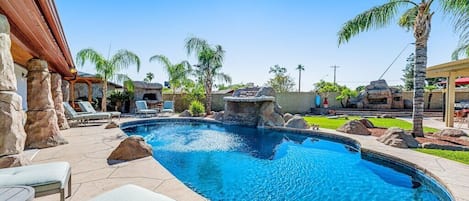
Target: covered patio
{"points": [[451, 71]]}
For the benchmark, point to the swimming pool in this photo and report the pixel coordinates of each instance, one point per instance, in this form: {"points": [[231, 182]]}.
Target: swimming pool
{"points": [[238, 163]]}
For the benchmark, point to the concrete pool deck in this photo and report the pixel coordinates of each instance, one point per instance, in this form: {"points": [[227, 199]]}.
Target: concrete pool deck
{"points": [[89, 147]]}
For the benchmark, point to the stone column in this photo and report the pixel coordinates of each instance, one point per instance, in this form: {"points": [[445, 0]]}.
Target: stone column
{"points": [[12, 135], [66, 90], [57, 96], [41, 125]]}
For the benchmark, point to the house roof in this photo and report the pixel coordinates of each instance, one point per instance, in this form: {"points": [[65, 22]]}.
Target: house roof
{"points": [[36, 32]]}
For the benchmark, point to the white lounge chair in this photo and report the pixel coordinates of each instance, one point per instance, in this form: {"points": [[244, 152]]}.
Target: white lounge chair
{"points": [[83, 117], [131, 192], [142, 109], [46, 178], [86, 106]]}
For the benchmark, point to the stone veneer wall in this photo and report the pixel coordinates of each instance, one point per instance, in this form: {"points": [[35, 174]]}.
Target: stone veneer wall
{"points": [[41, 125], [12, 134]]}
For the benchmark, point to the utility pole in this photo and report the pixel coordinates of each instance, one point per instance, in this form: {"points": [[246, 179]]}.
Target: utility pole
{"points": [[335, 70]]}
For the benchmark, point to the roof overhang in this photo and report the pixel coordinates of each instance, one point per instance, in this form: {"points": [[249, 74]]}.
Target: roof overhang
{"points": [[459, 68], [36, 32]]}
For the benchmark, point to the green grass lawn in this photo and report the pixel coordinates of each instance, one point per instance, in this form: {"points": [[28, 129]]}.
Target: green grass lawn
{"points": [[460, 156], [325, 122]]}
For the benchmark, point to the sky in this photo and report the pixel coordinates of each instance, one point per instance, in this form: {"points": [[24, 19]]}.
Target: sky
{"points": [[256, 34]]}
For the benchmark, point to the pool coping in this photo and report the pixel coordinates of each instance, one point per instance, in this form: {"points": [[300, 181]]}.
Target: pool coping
{"points": [[440, 169]]}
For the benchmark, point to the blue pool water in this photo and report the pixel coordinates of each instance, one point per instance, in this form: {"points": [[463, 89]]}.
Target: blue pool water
{"points": [[237, 163]]}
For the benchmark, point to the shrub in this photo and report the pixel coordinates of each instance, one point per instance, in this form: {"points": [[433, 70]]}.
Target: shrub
{"points": [[196, 108]]}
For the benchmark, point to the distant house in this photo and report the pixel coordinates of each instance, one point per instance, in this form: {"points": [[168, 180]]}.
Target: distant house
{"points": [[88, 86]]}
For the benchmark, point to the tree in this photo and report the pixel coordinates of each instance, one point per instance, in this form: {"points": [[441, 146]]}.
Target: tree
{"points": [[281, 82], [177, 73], [417, 16], [108, 69], [462, 26], [149, 77], [208, 69], [408, 76], [345, 94], [299, 68], [430, 89]]}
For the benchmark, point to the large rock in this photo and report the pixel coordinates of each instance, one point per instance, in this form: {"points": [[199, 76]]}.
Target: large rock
{"points": [[354, 127], [450, 132], [297, 122], [268, 116], [131, 148], [14, 161], [12, 134], [111, 125], [287, 116], [397, 137], [57, 96], [367, 123], [218, 115], [185, 113], [265, 91], [41, 125]]}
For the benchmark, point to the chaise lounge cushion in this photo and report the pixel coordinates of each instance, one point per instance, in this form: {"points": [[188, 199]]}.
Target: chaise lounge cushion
{"points": [[130, 192], [42, 177]]}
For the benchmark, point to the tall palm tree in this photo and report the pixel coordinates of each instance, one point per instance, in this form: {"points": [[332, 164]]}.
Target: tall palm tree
{"points": [[299, 68], [462, 26], [416, 16], [177, 73], [108, 69], [208, 69]]}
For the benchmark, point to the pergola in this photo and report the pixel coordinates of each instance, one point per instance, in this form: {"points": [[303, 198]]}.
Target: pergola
{"points": [[451, 71]]}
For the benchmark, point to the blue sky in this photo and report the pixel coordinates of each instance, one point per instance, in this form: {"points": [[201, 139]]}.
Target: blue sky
{"points": [[256, 34]]}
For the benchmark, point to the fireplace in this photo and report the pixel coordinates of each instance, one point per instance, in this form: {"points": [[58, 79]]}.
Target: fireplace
{"points": [[378, 95], [150, 92]]}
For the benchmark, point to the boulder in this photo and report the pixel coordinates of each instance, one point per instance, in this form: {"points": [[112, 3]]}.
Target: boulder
{"points": [[354, 127], [397, 137], [297, 122], [268, 116], [185, 113], [287, 116], [57, 97], [112, 124], [14, 161], [265, 91], [131, 148], [367, 123], [451, 132], [430, 145], [7, 69], [218, 115]]}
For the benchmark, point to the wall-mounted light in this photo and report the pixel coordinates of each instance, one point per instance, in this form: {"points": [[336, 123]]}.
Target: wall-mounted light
{"points": [[73, 70]]}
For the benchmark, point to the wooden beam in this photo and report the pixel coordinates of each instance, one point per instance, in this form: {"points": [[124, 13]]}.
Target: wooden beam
{"points": [[72, 92], [90, 92]]}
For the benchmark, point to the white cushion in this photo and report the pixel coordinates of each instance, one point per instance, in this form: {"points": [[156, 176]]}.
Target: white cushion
{"points": [[131, 192]]}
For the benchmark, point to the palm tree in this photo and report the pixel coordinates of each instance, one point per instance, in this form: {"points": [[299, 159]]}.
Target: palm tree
{"points": [[417, 16], [108, 69], [149, 77], [462, 26], [300, 68], [177, 73], [210, 63]]}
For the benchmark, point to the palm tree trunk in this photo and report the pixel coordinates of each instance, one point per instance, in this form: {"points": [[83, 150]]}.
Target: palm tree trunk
{"points": [[174, 94], [299, 81], [429, 100], [104, 98], [421, 33], [208, 97]]}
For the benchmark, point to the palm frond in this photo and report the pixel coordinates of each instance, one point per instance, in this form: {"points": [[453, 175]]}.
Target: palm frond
{"points": [[461, 50], [89, 55], [123, 59], [162, 60], [408, 18], [376, 17], [196, 45], [222, 77]]}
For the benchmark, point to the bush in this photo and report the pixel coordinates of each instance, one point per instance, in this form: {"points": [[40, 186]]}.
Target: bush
{"points": [[196, 108]]}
